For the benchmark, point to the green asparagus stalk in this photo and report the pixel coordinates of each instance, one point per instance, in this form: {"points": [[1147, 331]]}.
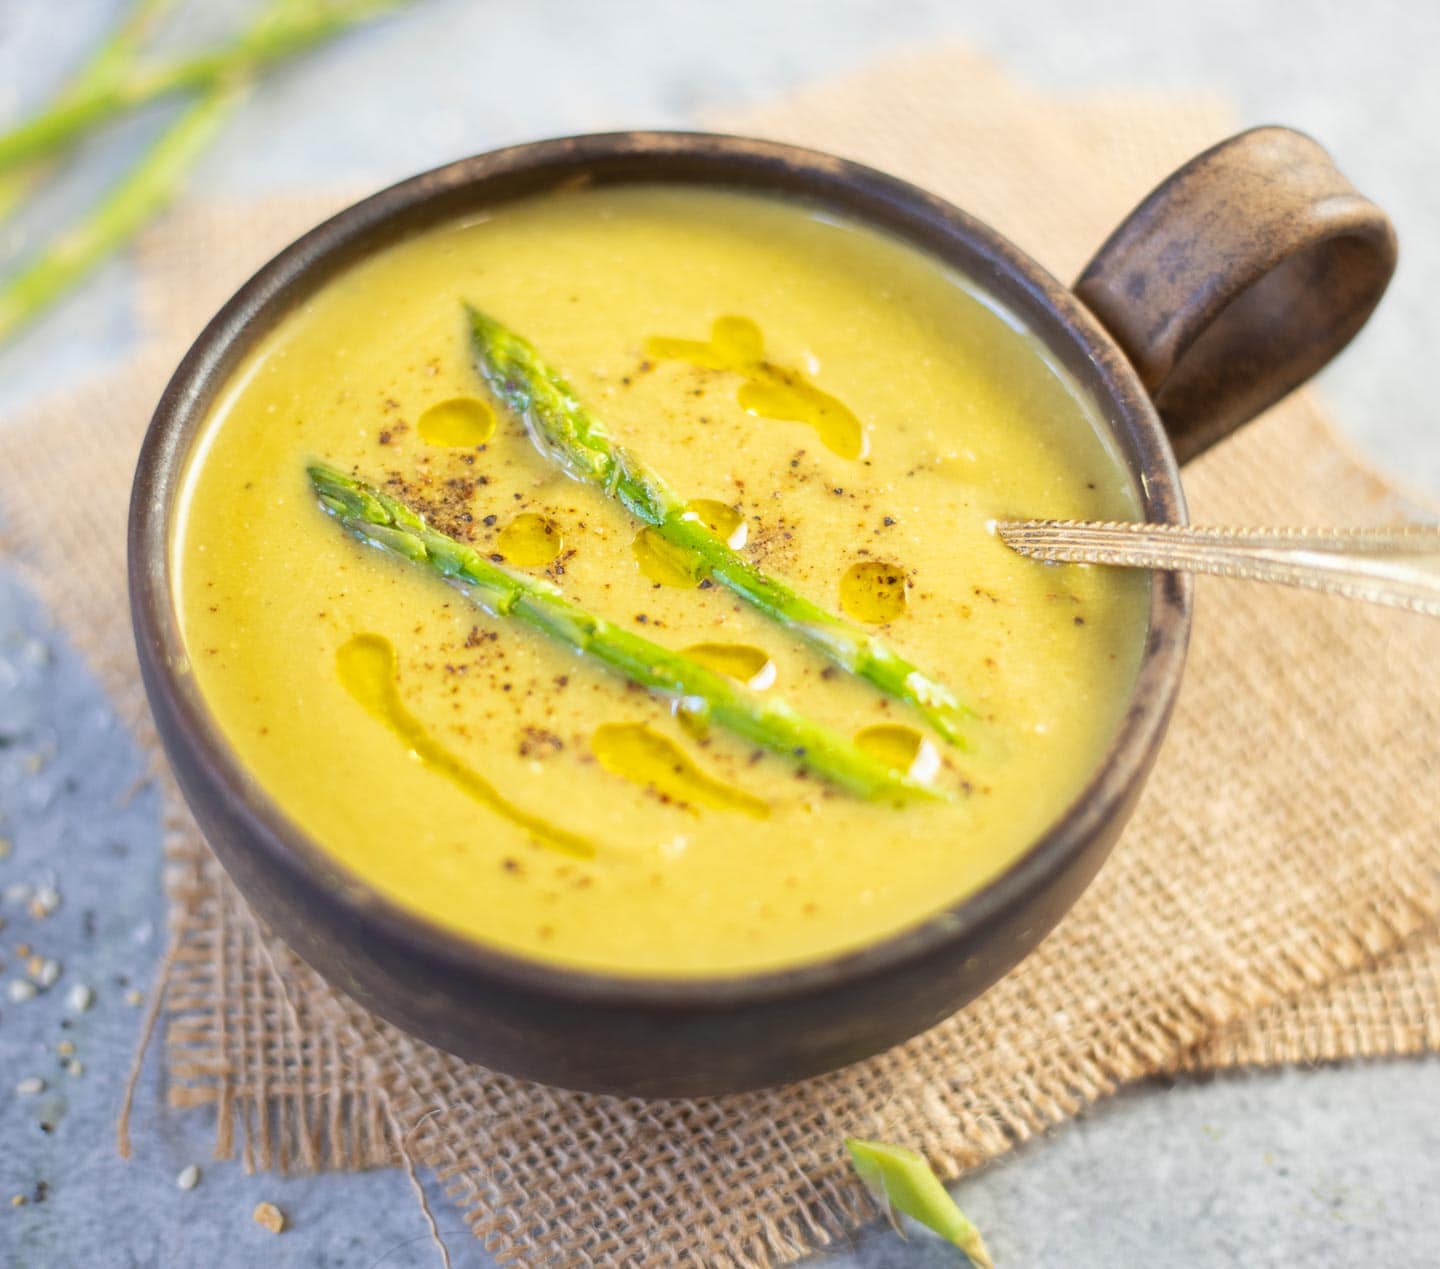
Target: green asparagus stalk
{"points": [[567, 433], [375, 517], [159, 175], [110, 61], [901, 1181], [119, 215], [263, 43]]}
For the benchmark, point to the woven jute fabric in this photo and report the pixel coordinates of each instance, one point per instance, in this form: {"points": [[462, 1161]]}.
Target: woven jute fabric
{"points": [[1276, 898]]}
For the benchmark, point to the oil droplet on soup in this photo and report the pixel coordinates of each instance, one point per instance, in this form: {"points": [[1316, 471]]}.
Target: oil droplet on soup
{"points": [[663, 562], [693, 715], [723, 520], [368, 669], [901, 749], [530, 540], [742, 662], [773, 392], [461, 422], [874, 591], [642, 755]]}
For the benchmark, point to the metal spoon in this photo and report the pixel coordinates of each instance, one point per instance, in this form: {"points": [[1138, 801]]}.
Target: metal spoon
{"points": [[1396, 566]]}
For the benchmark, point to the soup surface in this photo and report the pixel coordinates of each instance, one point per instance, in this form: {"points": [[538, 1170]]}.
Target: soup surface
{"points": [[844, 411]]}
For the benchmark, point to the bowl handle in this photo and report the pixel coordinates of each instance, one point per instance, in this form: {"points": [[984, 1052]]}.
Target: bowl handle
{"points": [[1237, 278]]}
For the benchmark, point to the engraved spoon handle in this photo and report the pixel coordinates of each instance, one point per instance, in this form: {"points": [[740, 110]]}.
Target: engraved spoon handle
{"points": [[1395, 566]]}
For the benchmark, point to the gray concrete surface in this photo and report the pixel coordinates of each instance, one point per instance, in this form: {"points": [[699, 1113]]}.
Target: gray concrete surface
{"points": [[1302, 1167]]}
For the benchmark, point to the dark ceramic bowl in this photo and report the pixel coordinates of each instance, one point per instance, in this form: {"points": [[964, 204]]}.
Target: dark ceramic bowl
{"points": [[1231, 283]]}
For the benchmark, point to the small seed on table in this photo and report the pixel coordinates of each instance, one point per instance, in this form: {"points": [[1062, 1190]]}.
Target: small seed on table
{"points": [[29, 1086], [189, 1177], [270, 1217]]}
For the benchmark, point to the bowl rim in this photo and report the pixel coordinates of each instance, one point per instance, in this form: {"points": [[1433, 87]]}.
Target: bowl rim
{"points": [[859, 192]]}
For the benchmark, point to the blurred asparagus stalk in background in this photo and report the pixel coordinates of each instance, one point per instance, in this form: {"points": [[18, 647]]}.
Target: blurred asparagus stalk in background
{"points": [[110, 60], [111, 85], [119, 215], [302, 24]]}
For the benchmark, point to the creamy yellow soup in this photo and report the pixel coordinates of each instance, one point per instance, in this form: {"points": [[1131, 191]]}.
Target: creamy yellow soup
{"points": [[844, 411]]}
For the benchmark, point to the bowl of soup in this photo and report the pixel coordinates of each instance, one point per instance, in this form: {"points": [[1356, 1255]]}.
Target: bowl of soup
{"points": [[540, 843]]}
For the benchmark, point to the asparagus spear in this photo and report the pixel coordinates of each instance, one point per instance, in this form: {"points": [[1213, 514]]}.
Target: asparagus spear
{"points": [[111, 59], [135, 199], [265, 42], [383, 521], [901, 1181], [123, 211], [566, 432]]}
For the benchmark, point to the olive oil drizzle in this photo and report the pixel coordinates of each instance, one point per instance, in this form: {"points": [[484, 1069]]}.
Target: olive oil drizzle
{"points": [[367, 668], [901, 748], [642, 755], [459, 423], [773, 392], [666, 564], [723, 520], [874, 591], [742, 662], [530, 540]]}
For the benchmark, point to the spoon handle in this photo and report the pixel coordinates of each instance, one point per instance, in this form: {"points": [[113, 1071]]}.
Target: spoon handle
{"points": [[1395, 566]]}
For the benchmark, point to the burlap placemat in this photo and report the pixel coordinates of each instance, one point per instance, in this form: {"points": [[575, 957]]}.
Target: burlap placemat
{"points": [[1276, 898]]}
